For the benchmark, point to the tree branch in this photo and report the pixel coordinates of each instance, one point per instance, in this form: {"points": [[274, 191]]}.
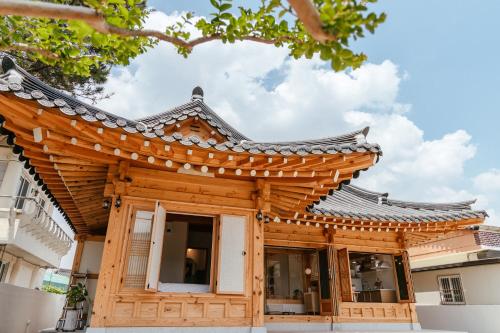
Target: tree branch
{"points": [[304, 9], [309, 16], [27, 48]]}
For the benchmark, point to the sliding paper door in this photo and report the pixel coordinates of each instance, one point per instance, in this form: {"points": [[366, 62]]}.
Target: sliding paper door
{"points": [[155, 249], [232, 254]]}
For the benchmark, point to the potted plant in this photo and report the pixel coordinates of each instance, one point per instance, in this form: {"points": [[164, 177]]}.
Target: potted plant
{"points": [[75, 295]]}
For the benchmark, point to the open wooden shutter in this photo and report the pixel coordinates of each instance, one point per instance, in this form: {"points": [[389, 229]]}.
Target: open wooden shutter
{"points": [[155, 249], [334, 286], [403, 274], [345, 276], [232, 252], [325, 290]]}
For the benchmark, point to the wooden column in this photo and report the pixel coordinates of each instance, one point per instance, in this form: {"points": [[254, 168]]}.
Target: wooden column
{"points": [[109, 267], [78, 256], [263, 204]]}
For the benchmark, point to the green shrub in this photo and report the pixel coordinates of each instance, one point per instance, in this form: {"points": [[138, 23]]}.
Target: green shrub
{"points": [[52, 289]]}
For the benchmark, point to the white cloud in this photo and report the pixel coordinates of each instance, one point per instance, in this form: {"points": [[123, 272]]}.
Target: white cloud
{"points": [[488, 181], [308, 100]]}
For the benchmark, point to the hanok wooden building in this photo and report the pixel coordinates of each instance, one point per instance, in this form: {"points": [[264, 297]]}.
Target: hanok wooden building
{"points": [[199, 226]]}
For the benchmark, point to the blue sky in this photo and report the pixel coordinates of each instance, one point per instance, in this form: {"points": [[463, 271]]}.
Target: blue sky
{"points": [[450, 50]]}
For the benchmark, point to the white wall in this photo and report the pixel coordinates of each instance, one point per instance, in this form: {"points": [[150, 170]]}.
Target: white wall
{"points": [[174, 252], [91, 257], [22, 273], [480, 283], [466, 318], [91, 263], [25, 310]]}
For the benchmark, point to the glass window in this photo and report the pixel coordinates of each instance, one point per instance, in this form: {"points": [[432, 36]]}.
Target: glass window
{"points": [[3, 169], [4, 267], [285, 275], [22, 192], [292, 281], [41, 206], [372, 277], [451, 290]]}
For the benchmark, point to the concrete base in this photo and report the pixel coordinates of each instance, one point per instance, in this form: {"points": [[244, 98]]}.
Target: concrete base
{"points": [[176, 330], [279, 328], [342, 327]]}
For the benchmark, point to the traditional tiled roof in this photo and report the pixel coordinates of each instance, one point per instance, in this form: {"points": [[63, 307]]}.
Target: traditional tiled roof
{"points": [[352, 202], [488, 236], [24, 85], [195, 108]]}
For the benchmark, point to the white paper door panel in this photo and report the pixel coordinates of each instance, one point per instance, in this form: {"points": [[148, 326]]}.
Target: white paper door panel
{"points": [[232, 254]]}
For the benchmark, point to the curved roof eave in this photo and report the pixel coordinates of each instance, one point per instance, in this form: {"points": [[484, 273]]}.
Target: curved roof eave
{"points": [[351, 200], [24, 85]]}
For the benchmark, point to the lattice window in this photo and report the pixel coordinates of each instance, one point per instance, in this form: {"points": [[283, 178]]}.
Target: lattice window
{"points": [[450, 288], [138, 253]]}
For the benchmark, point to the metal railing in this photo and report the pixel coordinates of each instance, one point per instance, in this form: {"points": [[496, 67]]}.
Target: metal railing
{"points": [[450, 289], [35, 219]]}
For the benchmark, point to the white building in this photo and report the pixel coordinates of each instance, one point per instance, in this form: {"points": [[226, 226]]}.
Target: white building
{"points": [[456, 281], [30, 239]]}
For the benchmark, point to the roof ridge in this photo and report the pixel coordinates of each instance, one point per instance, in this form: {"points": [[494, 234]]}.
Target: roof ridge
{"points": [[458, 205], [352, 135], [364, 192], [155, 119]]}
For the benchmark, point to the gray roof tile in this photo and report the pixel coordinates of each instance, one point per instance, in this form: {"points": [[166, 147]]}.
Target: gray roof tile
{"points": [[351, 200]]}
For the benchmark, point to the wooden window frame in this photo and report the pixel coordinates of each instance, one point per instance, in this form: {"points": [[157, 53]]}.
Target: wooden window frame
{"points": [[134, 208], [186, 209], [396, 285]]}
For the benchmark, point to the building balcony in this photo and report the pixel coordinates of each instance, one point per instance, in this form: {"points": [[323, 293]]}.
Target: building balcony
{"points": [[28, 231]]}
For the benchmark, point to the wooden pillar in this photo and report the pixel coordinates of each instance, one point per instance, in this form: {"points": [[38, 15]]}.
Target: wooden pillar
{"points": [[109, 264], [263, 204], [80, 243]]}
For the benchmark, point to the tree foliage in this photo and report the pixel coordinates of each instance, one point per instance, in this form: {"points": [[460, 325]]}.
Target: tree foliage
{"points": [[114, 33]]}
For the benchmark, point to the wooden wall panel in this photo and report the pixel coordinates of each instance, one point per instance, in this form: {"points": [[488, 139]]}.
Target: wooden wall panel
{"points": [[292, 235], [375, 312], [217, 310]]}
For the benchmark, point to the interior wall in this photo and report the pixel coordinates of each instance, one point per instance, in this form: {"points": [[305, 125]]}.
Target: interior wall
{"points": [[174, 252]]}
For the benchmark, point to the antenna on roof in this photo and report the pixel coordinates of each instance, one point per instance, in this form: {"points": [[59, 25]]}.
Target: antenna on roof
{"points": [[197, 94]]}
